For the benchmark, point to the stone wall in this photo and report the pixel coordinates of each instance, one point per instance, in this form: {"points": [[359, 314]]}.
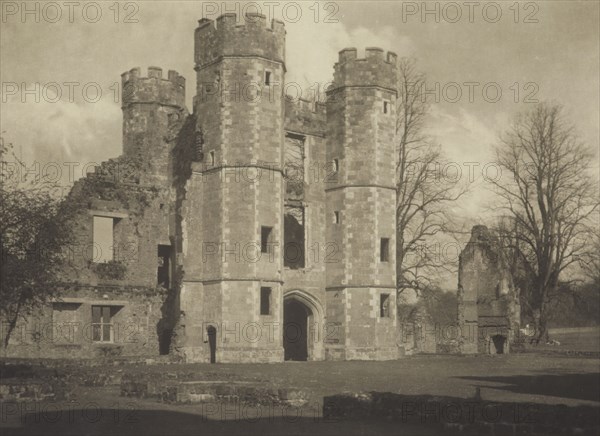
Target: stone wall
{"points": [[488, 307]]}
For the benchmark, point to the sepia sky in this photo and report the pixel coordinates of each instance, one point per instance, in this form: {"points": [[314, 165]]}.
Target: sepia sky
{"points": [[530, 51]]}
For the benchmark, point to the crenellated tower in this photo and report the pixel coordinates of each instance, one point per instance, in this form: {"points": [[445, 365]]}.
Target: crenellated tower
{"points": [[361, 199], [152, 108], [235, 215]]}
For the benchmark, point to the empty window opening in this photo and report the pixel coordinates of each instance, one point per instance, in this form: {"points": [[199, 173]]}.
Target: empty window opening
{"points": [[384, 305], [164, 263], [267, 78], [294, 237], [265, 239], [294, 166], [335, 165], [336, 217], [103, 234], [386, 107], [102, 326], [211, 157], [265, 301], [384, 252]]}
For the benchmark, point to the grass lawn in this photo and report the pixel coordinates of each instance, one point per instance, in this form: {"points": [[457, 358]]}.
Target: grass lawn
{"points": [[524, 378]]}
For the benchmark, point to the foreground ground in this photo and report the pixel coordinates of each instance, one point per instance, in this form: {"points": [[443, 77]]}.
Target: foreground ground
{"points": [[540, 378]]}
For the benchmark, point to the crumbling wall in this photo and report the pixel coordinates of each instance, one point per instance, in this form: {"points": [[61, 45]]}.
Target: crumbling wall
{"points": [[487, 298]]}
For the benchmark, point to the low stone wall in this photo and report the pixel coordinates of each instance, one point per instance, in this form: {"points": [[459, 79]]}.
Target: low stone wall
{"points": [[183, 388], [465, 416], [32, 390], [38, 380]]}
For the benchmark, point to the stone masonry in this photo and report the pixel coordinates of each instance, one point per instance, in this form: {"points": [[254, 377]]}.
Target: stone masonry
{"points": [[488, 303], [253, 229]]}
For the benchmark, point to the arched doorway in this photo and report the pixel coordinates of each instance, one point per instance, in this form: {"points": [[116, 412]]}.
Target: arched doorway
{"points": [[211, 332], [295, 330], [302, 320]]}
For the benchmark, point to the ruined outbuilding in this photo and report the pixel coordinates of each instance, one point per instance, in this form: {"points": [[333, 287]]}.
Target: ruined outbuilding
{"points": [[256, 228], [488, 302]]}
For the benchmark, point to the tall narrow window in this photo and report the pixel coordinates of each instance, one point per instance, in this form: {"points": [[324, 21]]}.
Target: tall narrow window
{"points": [[211, 157], [294, 237], [384, 251], [386, 107], [103, 234], [265, 239], [336, 217], [384, 305], [265, 301], [101, 324], [267, 78]]}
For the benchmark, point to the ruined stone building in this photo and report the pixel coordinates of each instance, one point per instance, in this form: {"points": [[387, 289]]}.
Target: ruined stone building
{"points": [[254, 228], [488, 302]]}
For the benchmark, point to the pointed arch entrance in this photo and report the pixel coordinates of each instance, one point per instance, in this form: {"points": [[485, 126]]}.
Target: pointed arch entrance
{"points": [[302, 326]]}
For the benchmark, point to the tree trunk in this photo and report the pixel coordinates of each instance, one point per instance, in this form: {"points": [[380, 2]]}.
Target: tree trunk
{"points": [[540, 324], [11, 327]]}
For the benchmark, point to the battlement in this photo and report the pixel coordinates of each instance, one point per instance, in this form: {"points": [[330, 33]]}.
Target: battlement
{"points": [[377, 68], [153, 88], [230, 35]]}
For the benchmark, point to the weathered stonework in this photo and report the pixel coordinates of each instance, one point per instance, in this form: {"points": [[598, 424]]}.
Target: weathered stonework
{"points": [[488, 303], [271, 220]]}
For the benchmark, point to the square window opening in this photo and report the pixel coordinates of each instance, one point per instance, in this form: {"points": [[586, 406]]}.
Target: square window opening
{"points": [[103, 239], [384, 252], [102, 325], [384, 305], [265, 239], [265, 301]]}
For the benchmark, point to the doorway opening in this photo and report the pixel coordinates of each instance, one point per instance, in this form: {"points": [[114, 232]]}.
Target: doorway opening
{"points": [[497, 344], [295, 330], [211, 332]]}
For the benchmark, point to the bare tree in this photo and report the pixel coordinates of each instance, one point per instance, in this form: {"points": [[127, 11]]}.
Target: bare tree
{"points": [[547, 187], [423, 193]]}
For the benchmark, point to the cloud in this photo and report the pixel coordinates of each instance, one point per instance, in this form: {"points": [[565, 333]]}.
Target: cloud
{"points": [[53, 134], [312, 49]]}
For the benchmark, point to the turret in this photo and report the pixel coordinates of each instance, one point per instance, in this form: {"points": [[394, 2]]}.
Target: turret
{"points": [[226, 37], [152, 106], [240, 72], [237, 188], [361, 153], [375, 69]]}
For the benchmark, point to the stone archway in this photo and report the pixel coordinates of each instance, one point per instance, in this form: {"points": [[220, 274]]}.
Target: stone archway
{"points": [[302, 326]]}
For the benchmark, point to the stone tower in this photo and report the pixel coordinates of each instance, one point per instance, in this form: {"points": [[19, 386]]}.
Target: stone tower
{"points": [[361, 199], [152, 106], [232, 288]]}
